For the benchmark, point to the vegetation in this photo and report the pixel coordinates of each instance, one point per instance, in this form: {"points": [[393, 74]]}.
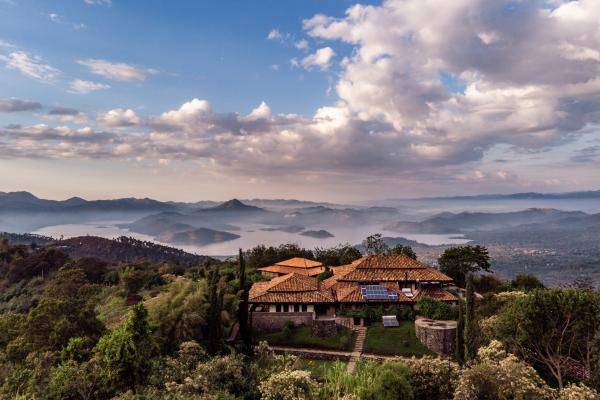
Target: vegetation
{"points": [[436, 309], [458, 262], [394, 340], [302, 336], [80, 329]]}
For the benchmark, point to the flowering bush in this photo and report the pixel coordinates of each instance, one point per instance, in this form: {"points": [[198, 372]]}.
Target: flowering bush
{"points": [[500, 375], [288, 385], [432, 377], [578, 392]]}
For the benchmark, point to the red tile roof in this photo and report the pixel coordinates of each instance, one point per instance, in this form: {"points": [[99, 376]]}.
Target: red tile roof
{"points": [[291, 288]]}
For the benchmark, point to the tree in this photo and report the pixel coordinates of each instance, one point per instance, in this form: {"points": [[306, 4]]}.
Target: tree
{"points": [[471, 327], [179, 314], [215, 323], [459, 350], [526, 282], [551, 327], [374, 245], [499, 375], [245, 331], [284, 385], [457, 262], [125, 353], [402, 250], [342, 254], [391, 382]]}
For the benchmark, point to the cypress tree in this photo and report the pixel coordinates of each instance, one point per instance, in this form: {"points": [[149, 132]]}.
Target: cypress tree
{"points": [[245, 331], [470, 321], [459, 350], [215, 299]]}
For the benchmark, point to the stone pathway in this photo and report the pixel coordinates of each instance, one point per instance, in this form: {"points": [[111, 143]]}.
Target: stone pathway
{"points": [[361, 334]]}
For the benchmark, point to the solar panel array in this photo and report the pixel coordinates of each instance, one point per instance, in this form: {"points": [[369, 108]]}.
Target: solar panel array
{"points": [[390, 321], [377, 292]]}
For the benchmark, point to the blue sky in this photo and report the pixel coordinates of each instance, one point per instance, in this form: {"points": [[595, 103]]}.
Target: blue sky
{"points": [[331, 100]]}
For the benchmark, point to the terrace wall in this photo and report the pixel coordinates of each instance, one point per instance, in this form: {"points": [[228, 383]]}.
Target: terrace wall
{"points": [[269, 321]]}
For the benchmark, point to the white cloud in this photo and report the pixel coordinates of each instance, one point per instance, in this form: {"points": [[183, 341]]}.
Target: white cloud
{"points": [[320, 59], [98, 2], [55, 18], [31, 66], [66, 114], [79, 26], [301, 44], [117, 71], [275, 35], [118, 118], [275, 67], [84, 87]]}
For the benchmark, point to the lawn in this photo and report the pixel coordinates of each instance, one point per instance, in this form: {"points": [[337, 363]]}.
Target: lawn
{"points": [[302, 337], [400, 341]]}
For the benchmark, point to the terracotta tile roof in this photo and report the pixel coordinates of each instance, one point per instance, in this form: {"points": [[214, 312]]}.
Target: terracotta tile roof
{"points": [[351, 293], [338, 272], [388, 262], [281, 269], [382, 275], [298, 262], [291, 288], [438, 294]]}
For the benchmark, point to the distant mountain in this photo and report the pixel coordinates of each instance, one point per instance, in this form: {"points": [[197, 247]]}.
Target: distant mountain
{"points": [[320, 234], [24, 202], [467, 221], [590, 194], [124, 250], [233, 205], [320, 216]]}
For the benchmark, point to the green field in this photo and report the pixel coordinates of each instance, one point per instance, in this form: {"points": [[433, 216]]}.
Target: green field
{"points": [[302, 337], [394, 341]]}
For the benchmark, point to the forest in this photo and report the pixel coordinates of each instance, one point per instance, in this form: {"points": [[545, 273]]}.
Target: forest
{"points": [[83, 328]]}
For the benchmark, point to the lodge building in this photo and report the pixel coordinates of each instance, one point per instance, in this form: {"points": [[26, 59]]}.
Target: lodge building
{"points": [[295, 294]]}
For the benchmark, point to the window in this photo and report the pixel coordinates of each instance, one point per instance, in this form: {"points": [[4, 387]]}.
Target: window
{"points": [[296, 307], [278, 308], [304, 308], [286, 308]]}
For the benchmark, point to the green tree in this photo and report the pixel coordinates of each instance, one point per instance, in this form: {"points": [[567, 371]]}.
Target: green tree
{"points": [[342, 254], [526, 282], [552, 326], [471, 327], [179, 314], [375, 245], [402, 250], [457, 262], [392, 382], [459, 350], [215, 322], [245, 331], [125, 353]]}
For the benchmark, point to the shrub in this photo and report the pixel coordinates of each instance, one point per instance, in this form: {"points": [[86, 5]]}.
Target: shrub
{"points": [[391, 382], [436, 309], [324, 275], [578, 392], [288, 329], [432, 378], [288, 385]]}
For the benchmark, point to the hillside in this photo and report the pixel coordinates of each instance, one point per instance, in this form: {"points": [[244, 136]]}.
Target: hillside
{"points": [[123, 250]]}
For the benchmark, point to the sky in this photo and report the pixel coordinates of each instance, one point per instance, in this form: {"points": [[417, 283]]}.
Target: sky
{"points": [[317, 100]]}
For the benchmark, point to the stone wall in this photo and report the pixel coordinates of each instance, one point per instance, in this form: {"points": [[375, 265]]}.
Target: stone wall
{"points": [[438, 336], [268, 321], [324, 327]]}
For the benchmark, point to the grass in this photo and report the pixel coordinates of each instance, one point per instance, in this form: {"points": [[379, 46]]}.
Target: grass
{"points": [[302, 337], [400, 341], [317, 367]]}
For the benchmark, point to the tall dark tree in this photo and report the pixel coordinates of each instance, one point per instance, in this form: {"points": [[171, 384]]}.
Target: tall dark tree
{"points": [[471, 331], [458, 262], [459, 350], [215, 300], [243, 321]]}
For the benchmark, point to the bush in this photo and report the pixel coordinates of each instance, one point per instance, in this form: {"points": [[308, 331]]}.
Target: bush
{"points": [[288, 329], [324, 275], [391, 382], [436, 309], [287, 385], [432, 378], [578, 392]]}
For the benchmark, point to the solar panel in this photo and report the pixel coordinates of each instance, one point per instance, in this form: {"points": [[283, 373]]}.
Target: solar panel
{"points": [[377, 292]]}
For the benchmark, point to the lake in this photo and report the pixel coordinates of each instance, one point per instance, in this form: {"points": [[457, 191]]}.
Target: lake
{"points": [[251, 235]]}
